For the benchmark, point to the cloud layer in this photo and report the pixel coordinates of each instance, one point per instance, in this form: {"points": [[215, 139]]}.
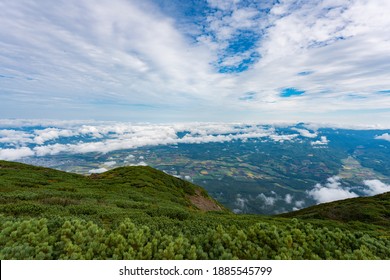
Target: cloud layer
{"points": [[23, 138], [104, 137]]}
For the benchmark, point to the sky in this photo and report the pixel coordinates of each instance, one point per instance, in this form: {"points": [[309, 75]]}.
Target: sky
{"points": [[196, 60]]}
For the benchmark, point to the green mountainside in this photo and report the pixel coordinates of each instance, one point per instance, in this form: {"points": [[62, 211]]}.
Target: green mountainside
{"points": [[373, 210], [122, 192], [142, 213]]}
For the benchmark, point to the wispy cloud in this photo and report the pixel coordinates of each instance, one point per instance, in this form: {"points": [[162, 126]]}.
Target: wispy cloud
{"points": [[136, 60]]}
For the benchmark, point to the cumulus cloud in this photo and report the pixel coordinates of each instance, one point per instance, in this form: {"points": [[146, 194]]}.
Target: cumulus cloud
{"points": [[48, 134], [306, 133], [267, 200], [375, 187], [334, 190], [15, 154], [299, 204], [385, 136], [323, 141], [288, 198], [90, 130], [15, 137], [331, 191], [241, 203], [53, 149]]}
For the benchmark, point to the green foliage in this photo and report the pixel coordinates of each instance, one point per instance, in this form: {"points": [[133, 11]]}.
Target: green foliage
{"points": [[26, 239], [80, 239]]}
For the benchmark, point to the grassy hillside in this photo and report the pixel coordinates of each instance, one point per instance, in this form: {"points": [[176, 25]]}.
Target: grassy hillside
{"points": [[108, 197], [143, 213], [374, 210]]}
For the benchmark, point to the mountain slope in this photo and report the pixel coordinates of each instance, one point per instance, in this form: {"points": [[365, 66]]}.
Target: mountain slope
{"points": [[370, 210], [143, 213], [30, 190]]}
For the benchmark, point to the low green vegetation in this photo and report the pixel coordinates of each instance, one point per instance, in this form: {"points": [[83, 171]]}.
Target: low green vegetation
{"points": [[142, 213], [363, 211]]}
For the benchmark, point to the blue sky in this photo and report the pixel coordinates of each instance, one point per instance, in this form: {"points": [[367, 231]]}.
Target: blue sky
{"points": [[214, 60]]}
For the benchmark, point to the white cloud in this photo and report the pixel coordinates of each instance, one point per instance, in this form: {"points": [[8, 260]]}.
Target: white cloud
{"points": [[92, 130], [321, 142], [282, 138], [375, 187], [101, 55], [385, 136], [110, 163], [14, 154], [48, 134], [331, 191], [267, 200], [288, 198], [306, 133], [188, 178], [130, 157], [299, 204], [53, 149], [332, 41], [241, 202], [15, 137], [318, 125], [334, 190], [97, 170]]}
